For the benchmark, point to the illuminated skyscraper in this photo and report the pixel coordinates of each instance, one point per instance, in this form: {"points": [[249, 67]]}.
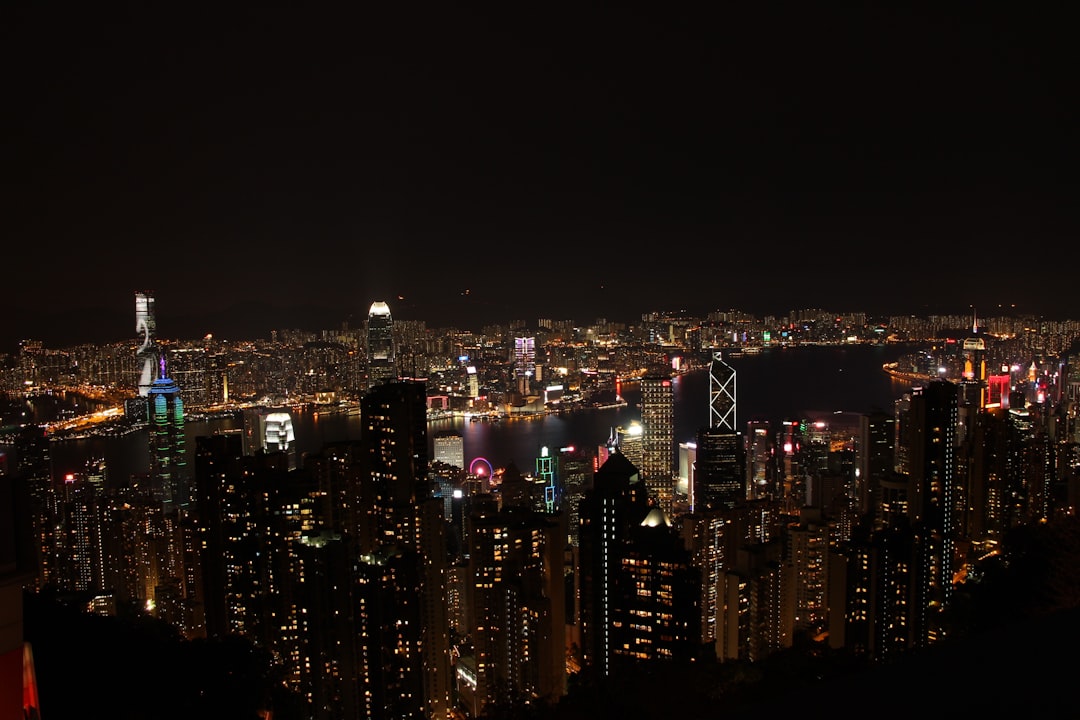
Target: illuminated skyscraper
{"points": [[658, 439], [402, 537], [518, 602], [628, 441], [450, 449], [722, 410], [720, 472], [168, 460], [524, 363], [381, 357], [278, 435], [617, 502], [934, 411], [146, 355], [761, 460]]}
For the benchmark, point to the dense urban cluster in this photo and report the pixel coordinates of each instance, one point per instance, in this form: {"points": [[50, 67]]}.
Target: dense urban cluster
{"points": [[332, 364], [378, 582]]}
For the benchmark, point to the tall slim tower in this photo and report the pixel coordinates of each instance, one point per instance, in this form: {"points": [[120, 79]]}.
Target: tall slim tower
{"points": [[402, 537], [146, 355], [381, 358], [720, 472], [935, 413], [168, 460], [658, 439]]}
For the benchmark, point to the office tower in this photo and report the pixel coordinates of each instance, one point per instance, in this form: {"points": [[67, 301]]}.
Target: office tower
{"points": [[658, 439], [719, 473], [80, 532], [402, 532], [760, 457], [720, 470], [934, 411], [547, 477], [685, 482], [278, 436], [517, 601], [168, 458], [381, 352], [722, 409], [1022, 487], [617, 502], [450, 449], [575, 468], [146, 355], [188, 367], [878, 430], [524, 363], [628, 440], [473, 381]]}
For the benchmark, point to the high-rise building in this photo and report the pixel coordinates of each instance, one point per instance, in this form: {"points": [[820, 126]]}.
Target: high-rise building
{"points": [[703, 536], [658, 439], [720, 471], [518, 607], [685, 483], [168, 456], [278, 435], [450, 449], [629, 442], [381, 355], [807, 549], [761, 460], [722, 408], [402, 538], [617, 502], [524, 363], [146, 355], [934, 412]]}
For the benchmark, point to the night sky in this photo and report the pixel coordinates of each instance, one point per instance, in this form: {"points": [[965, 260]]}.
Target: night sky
{"points": [[283, 167]]}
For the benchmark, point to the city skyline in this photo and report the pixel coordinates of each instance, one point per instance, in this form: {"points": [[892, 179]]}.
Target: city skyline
{"points": [[287, 169]]}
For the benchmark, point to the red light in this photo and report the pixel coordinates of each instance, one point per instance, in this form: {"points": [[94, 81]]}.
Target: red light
{"points": [[69, 478]]}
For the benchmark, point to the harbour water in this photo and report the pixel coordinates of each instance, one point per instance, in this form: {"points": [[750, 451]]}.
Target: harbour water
{"points": [[774, 385]]}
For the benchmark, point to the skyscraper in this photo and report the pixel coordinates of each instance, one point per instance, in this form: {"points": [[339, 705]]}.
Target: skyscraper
{"points": [[719, 475], [278, 435], [628, 441], [381, 357], [402, 536], [517, 601], [450, 449], [658, 439], [934, 411], [616, 503], [524, 363], [168, 459], [146, 355]]}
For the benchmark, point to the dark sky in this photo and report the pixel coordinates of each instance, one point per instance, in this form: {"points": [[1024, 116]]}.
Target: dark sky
{"points": [[290, 166]]}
